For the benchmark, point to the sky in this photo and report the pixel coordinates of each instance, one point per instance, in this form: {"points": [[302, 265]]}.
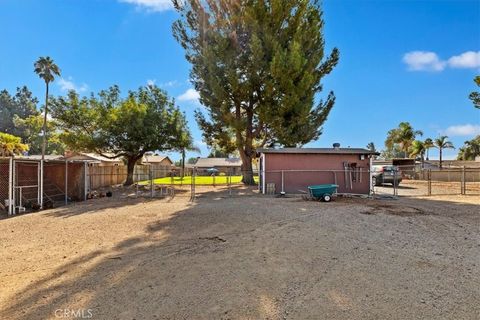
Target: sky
{"points": [[399, 60]]}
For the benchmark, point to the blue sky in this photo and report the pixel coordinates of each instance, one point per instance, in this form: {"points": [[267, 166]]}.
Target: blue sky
{"points": [[400, 60]]}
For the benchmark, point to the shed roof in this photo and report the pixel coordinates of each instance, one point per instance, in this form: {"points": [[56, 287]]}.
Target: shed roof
{"points": [[319, 150], [218, 162]]}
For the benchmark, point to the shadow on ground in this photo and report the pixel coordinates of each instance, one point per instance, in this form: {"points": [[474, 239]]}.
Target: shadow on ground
{"points": [[262, 258]]}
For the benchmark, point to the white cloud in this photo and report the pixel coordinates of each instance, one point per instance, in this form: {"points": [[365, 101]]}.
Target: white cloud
{"points": [[189, 95], [469, 59], [68, 84], [430, 61], [172, 83], [151, 5], [423, 61], [462, 130]]}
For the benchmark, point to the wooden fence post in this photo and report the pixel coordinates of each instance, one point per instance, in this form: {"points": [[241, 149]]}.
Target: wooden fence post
{"points": [[429, 176]]}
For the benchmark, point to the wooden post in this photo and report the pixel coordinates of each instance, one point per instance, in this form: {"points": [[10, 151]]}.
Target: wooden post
{"points": [[463, 182], [66, 182], [10, 187], [429, 176]]}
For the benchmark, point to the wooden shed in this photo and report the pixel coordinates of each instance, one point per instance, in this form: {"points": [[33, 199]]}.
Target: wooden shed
{"points": [[292, 170]]}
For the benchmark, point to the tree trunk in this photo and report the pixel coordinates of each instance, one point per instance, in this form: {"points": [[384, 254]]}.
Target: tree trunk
{"points": [[440, 158], [44, 138], [247, 171], [183, 164], [131, 161]]}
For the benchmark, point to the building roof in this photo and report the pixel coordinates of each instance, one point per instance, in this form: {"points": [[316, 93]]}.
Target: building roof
{"points": [[92, 156], [217, 162], [155, 159], [319, 150], [39, 157]]}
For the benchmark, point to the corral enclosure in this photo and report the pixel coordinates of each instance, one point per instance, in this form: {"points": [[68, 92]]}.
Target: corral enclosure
{"points": [[23, 185]]}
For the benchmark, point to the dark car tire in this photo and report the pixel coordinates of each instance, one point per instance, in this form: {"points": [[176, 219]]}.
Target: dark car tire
{"points": [[375, 181]]}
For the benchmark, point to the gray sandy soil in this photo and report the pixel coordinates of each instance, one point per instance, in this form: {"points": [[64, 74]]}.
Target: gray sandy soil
{"points": [[246, 257]]}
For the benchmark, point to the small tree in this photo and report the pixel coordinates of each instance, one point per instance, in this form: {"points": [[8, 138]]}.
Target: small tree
{"points": [[146, 120], [417, 149], [470, 149], [11, 145], [403, 137], [442, 143], [47, 70], [428, 143]]}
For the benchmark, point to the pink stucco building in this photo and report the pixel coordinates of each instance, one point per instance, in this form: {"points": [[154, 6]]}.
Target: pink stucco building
{"points": [[292, 170]]}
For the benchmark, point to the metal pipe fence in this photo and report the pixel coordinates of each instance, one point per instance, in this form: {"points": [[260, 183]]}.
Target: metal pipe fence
{"points": [[417, 181]]}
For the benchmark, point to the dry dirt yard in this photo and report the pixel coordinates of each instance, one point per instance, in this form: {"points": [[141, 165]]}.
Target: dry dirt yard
{"points": [[246, 257]]}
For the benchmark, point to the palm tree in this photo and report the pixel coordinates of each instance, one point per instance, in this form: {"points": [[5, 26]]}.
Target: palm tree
{"points": [[46, 70], [428, 143], [183, 151], [404, 136], [470, 149], [442, 143], [418, 149]]}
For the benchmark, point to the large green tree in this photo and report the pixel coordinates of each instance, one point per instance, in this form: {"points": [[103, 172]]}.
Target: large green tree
{"points": [[470, 149], [23, 105], [258, 66], [475, 96], [46, 69], [402, 138], [146, 120]]}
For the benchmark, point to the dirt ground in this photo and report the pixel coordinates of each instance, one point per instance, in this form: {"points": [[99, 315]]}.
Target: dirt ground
{"points": [[244, 257], [420, 188]]}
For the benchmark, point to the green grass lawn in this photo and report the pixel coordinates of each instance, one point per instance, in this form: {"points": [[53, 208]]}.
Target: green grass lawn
{"points": [[199, 180]]}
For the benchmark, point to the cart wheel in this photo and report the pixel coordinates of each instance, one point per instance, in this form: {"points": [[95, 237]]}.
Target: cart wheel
{"points": [[327, 197]]}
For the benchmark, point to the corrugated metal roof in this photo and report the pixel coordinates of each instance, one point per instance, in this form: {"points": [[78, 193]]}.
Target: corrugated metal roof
{"points": [[218, 162], [318, 150]]}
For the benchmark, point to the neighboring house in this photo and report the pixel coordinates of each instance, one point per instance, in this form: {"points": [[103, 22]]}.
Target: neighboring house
{"points": [[292, 170], [231, 166], [157, 160], [94, 159]]}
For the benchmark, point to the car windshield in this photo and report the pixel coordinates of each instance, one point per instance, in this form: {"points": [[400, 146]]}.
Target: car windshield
{"points": [[390, 168]]}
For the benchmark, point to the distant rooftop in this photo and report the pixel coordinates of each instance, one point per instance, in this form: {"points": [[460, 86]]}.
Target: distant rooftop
{"points": [[154, 158], [39, 157], [318, 150], [217, 162]]}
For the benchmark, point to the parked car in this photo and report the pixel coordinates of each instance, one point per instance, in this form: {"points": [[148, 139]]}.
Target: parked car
{"points": [[386, 174]]}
